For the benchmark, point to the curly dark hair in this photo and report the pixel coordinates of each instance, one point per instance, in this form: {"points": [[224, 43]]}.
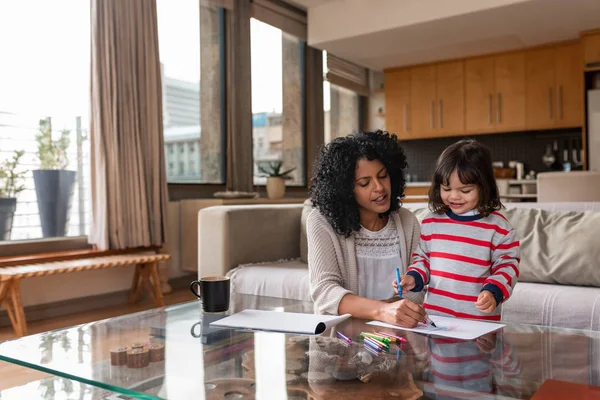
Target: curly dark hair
{"points": [[332, 184], [473, 164]]}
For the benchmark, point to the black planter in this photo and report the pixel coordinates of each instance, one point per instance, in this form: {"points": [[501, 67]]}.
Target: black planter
{"points": [[54, 191], [7, 211]]}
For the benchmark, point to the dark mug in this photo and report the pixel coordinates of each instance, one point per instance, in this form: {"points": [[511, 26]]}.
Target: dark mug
{"points": [[214, 293]]}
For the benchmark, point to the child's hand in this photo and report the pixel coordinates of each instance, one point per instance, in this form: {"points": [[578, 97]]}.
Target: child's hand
{"points": [[486, 343], [407, 283], [486, 303]]}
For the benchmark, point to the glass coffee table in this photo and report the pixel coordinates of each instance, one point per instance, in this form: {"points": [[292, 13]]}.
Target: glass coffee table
{"points": [[175, 354]]}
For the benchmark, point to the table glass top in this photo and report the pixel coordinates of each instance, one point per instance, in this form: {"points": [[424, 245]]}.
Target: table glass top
{"points": [[180, 356]]}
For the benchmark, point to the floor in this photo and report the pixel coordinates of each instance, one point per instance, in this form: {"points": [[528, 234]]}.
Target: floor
{"points": [[14, 375]]}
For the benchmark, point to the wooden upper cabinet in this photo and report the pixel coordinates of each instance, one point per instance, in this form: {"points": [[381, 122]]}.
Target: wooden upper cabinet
{"points": [[555, 87], [569, 86], [540, 77], [479, 92], [397, 102], [422, 101], [591, 49], [450, 98], [509, 74]]}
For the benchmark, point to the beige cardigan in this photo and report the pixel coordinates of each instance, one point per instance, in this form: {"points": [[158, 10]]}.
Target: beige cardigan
{"points": [[332, 266]]}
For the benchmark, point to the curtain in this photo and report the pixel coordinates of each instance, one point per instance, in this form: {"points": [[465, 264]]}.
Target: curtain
{"points": [[129, 187]]}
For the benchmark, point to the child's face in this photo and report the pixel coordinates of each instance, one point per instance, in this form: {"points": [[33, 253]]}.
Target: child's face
{"points": [[372, 186], [459, 197]]}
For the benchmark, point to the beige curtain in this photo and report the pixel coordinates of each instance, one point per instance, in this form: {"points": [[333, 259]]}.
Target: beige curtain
{"points": [[129, 189]]}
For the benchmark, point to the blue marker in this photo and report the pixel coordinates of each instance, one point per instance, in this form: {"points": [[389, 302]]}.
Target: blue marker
{"points": [[398, 279]]}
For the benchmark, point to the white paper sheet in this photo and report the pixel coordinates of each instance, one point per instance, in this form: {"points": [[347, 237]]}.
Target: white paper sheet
{"points": [[275, 321], [449, 327]]}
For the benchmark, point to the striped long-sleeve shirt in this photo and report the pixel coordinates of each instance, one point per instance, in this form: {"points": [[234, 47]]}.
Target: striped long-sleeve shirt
{"points": [[459, 256]]}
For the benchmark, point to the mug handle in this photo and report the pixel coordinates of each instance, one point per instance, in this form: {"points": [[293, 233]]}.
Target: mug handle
{"points": [[194, 283], [193, 330]]}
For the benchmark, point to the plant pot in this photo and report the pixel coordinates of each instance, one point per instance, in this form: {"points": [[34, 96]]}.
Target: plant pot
{"points": [[54, 191], [7, 212], [275, 187]]}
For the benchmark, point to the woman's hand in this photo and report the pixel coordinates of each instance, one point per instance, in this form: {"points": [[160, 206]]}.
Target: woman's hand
{"points": [[407, 282], [403, 312], [486, 303]]}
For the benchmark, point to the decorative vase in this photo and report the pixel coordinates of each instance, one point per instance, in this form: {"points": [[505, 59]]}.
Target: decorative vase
{"points": [[7, 212], [275, 187], [54, 191]]}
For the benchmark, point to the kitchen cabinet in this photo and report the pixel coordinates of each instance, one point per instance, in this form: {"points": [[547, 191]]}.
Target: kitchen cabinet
{"points": [[509, 74], [422, 101], [591, 49], [554, 88], [495, 93], [397, 102], [437, 100], [450, 96], [569, 86]]}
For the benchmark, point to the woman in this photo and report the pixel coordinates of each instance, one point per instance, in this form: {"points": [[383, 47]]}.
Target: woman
{"points": [[358, 233]]}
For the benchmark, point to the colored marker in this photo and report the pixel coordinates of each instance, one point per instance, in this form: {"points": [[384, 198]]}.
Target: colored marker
{"points": [[398, 280], [383, 345], [345, 338], [373, 343], [397, 338], [379, 338], [430, 322], [372, 346]]}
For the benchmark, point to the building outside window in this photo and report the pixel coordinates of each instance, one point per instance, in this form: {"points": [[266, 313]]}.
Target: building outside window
{"points": [[189, 34], [277, 103]]}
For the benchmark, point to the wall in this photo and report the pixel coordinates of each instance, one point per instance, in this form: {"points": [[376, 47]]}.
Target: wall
{"points": [[527, 147]]}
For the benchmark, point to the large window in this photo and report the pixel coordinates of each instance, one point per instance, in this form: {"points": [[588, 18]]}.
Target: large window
{"points": [[190, 39], [277, 100], [341, 107], [44, 108]]}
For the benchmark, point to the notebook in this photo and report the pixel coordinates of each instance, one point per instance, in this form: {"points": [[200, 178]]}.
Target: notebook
{"points": [[276, 321]]}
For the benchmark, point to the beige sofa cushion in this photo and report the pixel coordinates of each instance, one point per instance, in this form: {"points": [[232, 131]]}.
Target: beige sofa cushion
{"points": [[558, 247], [554, 305], [283, 279]]}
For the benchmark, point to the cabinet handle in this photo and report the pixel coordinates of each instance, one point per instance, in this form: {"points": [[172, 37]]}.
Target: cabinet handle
{"points": [[550, 111], [440, 113], [490, 108], [405, 117], [499, 108], [560, 103], [432, 111]]}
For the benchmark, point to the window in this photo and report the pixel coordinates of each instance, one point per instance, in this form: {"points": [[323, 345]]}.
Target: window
{"points": [[277, 99], [190, 40], [56, 92], [341, 108]]}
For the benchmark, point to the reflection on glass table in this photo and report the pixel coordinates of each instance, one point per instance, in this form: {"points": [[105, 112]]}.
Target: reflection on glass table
{"points": [[191, 359]]}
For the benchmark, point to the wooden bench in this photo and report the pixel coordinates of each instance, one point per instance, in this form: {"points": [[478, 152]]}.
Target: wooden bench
{"points": [[12, 270]]}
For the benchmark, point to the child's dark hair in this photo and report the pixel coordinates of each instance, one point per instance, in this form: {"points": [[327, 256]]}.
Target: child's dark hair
{"points": [[473, 164]]}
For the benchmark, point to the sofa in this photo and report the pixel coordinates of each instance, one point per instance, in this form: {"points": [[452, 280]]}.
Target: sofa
{"points": [[263, 249]]}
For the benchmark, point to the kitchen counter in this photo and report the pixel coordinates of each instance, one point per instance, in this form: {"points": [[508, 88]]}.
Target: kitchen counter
{"points": [[418, 184]]}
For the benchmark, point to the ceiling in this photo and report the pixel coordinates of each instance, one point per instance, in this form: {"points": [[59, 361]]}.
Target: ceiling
{"points": [[517, 24]]}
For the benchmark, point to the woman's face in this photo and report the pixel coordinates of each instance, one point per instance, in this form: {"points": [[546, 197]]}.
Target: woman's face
{"points": [[372, 186]]}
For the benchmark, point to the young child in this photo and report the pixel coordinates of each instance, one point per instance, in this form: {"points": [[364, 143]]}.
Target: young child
{"points": [[469, 252]]}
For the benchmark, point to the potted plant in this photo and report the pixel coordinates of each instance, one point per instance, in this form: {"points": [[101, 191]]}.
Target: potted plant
{"points": [[10, 186], [53, 182], [275, 178]]}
